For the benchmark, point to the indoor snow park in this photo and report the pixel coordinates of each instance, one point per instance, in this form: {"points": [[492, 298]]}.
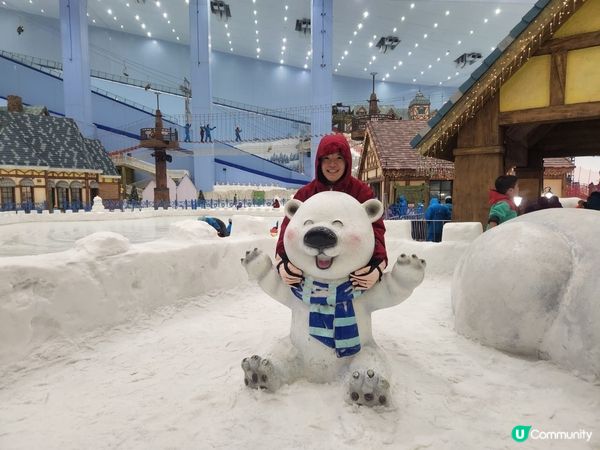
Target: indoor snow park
{"points": [[190, 260]]}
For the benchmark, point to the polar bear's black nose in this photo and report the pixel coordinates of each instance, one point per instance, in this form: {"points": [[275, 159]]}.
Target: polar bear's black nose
{"points": [[320, 238]]}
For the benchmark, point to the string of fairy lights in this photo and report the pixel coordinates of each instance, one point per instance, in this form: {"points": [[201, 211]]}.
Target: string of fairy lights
{"points": [[513, 58]]}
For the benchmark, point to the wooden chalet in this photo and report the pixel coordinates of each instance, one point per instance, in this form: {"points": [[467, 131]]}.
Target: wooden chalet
{"points": [[392, 167], [46, 160], [536, 96]]}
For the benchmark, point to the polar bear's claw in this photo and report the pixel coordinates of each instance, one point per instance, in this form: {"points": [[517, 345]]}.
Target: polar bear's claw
{"points": [[256, 263], [259, 373], [368, 388]]}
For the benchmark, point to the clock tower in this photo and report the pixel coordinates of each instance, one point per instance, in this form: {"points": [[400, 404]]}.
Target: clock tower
{"points": [[419, 107]]}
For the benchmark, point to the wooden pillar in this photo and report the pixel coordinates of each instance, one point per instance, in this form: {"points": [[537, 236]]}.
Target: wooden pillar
{"points": [[531, 178], [478, 161]]}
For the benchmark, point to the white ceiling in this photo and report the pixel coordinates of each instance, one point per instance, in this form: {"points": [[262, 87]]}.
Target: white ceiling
{"points": [[462, 26]]}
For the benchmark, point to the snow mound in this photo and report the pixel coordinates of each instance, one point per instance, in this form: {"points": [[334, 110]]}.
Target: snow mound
{"points": [[398, 229], [461, 231], [103, 243], [253, 226], [530, 287], [189, 230]]}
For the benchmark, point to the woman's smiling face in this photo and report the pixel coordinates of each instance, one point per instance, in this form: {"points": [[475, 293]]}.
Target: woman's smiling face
{"points": [[333, 167]]}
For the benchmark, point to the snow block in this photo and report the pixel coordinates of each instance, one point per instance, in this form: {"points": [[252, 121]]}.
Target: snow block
{"points": [[461, 231], [529, 287], [398, 229]]}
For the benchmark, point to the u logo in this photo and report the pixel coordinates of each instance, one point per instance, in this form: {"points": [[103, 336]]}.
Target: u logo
{"points": [[520, 433]]}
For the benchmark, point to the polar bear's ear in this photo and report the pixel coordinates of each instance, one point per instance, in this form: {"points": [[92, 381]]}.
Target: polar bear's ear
{"points": [[374, 209], [291, 206]]}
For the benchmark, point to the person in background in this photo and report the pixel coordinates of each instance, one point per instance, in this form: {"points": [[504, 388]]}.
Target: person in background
{"points": [[217, 224], [448, 204], [333, 168], [276, 203], [207, 130], [593, 201], [187, 132], [502, 205], [238, 130], [581, 204], [202, 134], [554, 202], [435, 215], [229, 225]]}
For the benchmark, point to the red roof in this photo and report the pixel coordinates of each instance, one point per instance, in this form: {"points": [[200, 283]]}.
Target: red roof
{"points": [[391, 140]]}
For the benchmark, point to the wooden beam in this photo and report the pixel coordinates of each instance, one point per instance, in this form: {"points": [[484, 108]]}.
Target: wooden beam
{"points": [[584, 40], [557, 113], [558, 77]]}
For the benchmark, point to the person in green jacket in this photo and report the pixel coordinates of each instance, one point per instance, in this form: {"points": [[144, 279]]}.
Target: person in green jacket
{"points": [[502, 205]]}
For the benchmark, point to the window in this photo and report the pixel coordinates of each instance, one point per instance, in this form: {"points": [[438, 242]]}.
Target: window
{"points": [[7, 197], [61, 195], [26, 194], [440, 188]]}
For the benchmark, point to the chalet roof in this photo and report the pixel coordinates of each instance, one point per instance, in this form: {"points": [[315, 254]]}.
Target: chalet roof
{"points": [[559, 163], [419, 99], [535, 28], [39, 110], [391, 140], [46, 141], [384, 109]]}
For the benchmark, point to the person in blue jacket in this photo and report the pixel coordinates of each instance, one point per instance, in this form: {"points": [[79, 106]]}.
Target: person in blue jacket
{"points": [[435, 215], [217, 224]]}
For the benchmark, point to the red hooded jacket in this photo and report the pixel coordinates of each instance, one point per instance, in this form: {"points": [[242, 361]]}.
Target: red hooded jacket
{"points": [[330, 144]]}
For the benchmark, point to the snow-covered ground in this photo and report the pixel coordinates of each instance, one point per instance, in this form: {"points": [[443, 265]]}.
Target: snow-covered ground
{"points": [[113, 344]]}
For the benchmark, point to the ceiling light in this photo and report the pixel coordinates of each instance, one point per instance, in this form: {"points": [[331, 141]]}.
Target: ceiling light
{"points": [[109, 11], [350, 42], [429, 66], [449, 77], [416, 44], [231, 49], [498, 11], [387, 75], [412, 5], [471, 32], [284, 40], [365, 69], [422, 73], [345, 52], [425, 36], [414, 80], [373, 57], [114, 17], [177, 37], [370, 44], [158, 4], [306, 66], [339, 64], [459, 42], [229, 42], [485, 21], [165, 15], [343, 57], [283, 47], [226, 26], [493, 48], [143, 26], [149, 34], [370, 62], [355, 33], [285, 19], [402, 18], [447, 52], [366, 14], [93, 20], [359, 26], [456, 74], [256, 31], [257, 49], [374, 36], [409, 53], [335, 70], [399, 63], [228, 34], [435, 25], [257, 40], [173, 30], [286, 7], [42, 11], [395, 67], [447, 13], [137, 17], [254, 12], [121, 27], [127, 4], [394, 30], [281, 61]]}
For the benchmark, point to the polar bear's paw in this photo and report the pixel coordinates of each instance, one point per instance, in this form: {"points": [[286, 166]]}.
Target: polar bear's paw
{"points": [[259, 373], [366, 387], [256, 264], [409, 270]]}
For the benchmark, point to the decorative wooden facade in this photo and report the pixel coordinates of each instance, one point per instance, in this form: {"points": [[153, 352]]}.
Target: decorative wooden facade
{"points": [[536, 96], [389, 164], [45, 160]]}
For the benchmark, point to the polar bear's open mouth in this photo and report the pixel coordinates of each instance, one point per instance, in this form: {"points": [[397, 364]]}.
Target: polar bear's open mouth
{"points": [[323, 261]]}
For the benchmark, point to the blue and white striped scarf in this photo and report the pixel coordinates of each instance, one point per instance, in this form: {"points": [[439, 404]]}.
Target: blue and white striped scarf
{"points": [[331, 319]]}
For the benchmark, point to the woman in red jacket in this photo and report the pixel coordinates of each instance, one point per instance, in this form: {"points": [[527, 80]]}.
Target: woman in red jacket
{"points": [[333, 173]]}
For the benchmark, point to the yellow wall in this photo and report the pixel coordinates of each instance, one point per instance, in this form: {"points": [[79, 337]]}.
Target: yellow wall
{"points": [[585, 20], [583, 75], [529, 87], [555, 185]]}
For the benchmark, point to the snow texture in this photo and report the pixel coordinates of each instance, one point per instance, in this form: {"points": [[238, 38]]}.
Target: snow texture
{"points": [[530, 287], [142, 350], [461, 231]]}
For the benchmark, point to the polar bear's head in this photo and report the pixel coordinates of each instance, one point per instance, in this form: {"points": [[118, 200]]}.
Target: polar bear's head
{"points": [[330, 234]]}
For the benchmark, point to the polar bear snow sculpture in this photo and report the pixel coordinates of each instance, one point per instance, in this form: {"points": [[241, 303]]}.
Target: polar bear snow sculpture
{"points": [[328, 237]]}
